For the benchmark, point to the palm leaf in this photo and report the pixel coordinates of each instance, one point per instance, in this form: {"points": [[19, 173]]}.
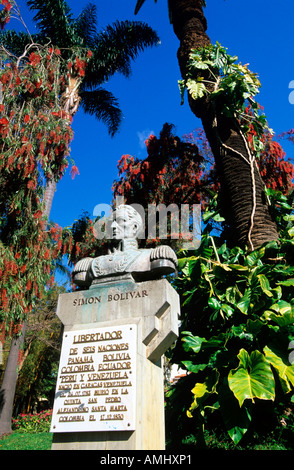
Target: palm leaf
{"points": [[54, 21], [86, 25], [139, 5], [116, 47], [14, 42], [104, 106]]}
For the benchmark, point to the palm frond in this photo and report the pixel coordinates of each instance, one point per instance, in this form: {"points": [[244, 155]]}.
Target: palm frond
{"points": [[54, 20], [86, 25], [139, 5], [116, 47], [15, 43], [104, 106]]}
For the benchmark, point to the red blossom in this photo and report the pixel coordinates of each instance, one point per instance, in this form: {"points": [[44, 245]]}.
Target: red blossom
{"points": [[74, 171]]}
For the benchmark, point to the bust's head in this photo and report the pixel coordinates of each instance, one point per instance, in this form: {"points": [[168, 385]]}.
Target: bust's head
{"points": [[126, 223]]}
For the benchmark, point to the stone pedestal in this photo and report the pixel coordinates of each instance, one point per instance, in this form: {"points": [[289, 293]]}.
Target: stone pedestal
{"points": [[110, 390]]}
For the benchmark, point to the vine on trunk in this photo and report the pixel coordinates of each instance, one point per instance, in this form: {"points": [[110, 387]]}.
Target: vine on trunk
{"points": [[231, 87]]}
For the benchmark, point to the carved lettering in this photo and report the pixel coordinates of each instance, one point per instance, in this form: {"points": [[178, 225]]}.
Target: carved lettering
{"points": [[119, 296], [86, 301], [90, 338]]}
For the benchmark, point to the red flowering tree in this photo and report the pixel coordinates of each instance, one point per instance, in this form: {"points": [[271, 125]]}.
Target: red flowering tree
{"points": [[110, 51], [182, 171], [175, 171], [35, 135], [42, 88], [276, 169], [5, 13]]}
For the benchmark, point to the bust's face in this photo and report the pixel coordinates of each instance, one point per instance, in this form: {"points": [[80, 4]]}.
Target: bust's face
{"points": [[123, 226]]}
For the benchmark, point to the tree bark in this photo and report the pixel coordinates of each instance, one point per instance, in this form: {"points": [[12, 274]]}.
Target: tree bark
{"points": [[8, 387], [50, 190], [242, 197]]}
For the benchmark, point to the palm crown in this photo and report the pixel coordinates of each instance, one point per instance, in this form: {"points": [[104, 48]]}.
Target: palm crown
{"points": [[113, 50]]}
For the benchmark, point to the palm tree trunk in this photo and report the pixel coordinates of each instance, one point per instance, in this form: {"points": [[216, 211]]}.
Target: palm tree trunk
{"points": [[8, 387], [242, 195]]}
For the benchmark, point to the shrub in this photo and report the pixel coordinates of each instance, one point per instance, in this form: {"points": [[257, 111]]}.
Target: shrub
{"points": [[31, 423], [236, 335]]}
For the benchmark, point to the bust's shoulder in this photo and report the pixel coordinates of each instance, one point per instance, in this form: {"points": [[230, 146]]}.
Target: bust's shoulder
{"points": [[82, 265], [80, 272], [163, 252]]}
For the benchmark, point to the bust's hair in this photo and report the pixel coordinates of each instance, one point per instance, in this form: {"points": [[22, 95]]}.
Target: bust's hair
{"points": [[133, 214]]}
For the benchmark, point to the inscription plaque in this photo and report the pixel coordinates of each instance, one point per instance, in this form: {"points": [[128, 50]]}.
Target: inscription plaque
{"points": [[96, 383]]}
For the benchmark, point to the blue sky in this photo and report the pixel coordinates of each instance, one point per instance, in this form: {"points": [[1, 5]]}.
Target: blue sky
{"points": [[259, 33]]}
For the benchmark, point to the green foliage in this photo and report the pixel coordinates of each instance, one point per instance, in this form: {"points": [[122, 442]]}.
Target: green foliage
{"points": [[24, 441], [112, 50], [37, 373], [212, 71], [237, 323], [32, 423]]}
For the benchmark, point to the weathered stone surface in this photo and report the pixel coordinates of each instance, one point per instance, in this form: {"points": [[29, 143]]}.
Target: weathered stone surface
{"points": [[153, 307]]}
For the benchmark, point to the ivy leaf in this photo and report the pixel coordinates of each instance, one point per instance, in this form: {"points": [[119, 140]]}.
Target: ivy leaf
{"points": [[253, 378], [231, 294], [285, 319]]}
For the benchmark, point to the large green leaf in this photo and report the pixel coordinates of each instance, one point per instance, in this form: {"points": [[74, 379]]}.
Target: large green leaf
{"points": [[287, 318], [192, 367], [195, 343], [197, 89], [202, 390], [191, 342], [265, 285], [236, 419], [253, 378], [282, 366], [281, 312], [244, 303], [288, 282]]}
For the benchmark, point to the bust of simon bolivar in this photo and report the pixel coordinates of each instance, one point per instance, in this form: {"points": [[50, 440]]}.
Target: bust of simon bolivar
{"points": [[127, 260]]}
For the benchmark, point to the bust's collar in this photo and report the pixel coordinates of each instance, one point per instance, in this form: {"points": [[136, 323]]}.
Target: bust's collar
{"points": [[128, 244]]}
